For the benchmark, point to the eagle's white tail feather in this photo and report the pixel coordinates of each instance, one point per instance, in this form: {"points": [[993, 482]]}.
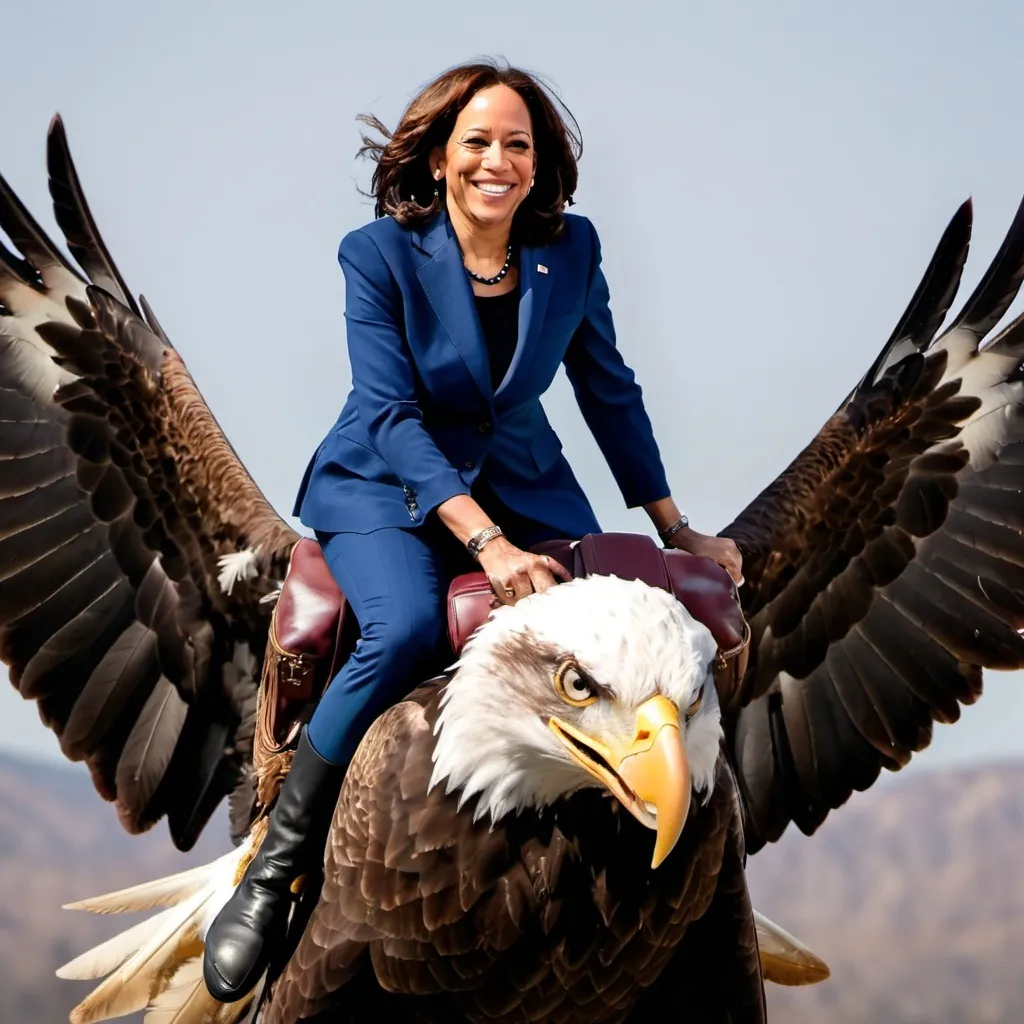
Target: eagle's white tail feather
{"points": [[99, 961], [163, 892], [145, 964], [143, 974], [785, 960]]}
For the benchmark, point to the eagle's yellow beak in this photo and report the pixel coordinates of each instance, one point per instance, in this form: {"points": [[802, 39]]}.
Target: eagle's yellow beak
{"points": [[648, 773]]}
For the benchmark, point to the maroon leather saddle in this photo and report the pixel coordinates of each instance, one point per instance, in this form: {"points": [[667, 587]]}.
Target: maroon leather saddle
{"points": [[313, 629]]}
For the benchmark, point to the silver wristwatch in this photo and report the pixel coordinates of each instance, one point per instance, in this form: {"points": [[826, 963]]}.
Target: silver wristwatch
{"points": [[478, 540], [670, 531]]}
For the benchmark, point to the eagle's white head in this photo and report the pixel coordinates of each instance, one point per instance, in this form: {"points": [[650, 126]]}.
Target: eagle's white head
{"points": [[600, 682]]}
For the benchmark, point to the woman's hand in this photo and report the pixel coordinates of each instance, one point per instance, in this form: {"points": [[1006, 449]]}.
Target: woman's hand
{"points": [[514, 573], [719, 549]]}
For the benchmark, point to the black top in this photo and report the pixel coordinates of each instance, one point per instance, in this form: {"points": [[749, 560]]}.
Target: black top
{"points": [[499, 321]]}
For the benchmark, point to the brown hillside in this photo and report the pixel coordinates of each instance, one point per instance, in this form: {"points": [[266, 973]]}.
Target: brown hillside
{"points": [[60, 842], [913, 893]]}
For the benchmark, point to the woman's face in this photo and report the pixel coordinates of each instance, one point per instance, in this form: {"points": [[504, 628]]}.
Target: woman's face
{"points": [[489, 160]]}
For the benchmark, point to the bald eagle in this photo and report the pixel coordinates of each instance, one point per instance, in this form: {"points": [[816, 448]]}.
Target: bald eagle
{"points": [[556, 829]]}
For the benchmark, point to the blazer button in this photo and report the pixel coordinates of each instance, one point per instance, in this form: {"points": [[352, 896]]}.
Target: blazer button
{"points": [[468, 465], [485, 427]]}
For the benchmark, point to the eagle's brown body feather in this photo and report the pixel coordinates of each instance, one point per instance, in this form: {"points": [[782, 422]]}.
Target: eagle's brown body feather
{"points": [[552, 916]]}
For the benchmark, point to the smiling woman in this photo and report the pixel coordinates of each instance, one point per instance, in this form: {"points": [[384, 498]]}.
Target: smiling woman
{"points": [[472, 116], [463, 297]]}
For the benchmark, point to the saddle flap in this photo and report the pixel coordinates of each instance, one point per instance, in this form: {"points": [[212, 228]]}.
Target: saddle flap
{"points": [[308, 614], [470, 600], [708, 593]]}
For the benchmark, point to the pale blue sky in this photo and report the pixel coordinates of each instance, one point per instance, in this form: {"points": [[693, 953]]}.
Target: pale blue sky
{"points": [[768, 182]]}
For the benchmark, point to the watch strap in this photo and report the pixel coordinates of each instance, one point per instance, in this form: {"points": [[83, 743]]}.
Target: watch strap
{"points": [[478, 540]]}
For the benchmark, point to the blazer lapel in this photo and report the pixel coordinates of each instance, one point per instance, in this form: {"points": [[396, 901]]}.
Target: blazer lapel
{"points": [[534, 289], [443, 278]]}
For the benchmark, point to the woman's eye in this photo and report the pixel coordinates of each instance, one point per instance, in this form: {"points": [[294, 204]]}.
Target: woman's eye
{"points": [[476, 141], [572, 686]]}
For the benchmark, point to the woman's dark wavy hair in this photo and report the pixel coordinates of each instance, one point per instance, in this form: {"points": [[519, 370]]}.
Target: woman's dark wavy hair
{"points": [[402, 179]]}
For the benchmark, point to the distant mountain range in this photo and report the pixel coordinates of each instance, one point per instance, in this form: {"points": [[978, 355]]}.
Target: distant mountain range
{"points": [[60, 842], [913, 893]]}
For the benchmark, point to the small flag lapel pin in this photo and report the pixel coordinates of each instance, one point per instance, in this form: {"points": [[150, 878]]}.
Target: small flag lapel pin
{"points": [[541, 269]]}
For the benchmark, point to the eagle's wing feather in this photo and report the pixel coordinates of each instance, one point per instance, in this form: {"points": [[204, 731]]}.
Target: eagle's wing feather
{"points": [[885, 565], [119, 495], [84, 241]]}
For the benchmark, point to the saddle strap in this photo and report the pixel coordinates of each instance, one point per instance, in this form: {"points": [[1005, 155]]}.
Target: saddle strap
{"points": [[630, 556]]}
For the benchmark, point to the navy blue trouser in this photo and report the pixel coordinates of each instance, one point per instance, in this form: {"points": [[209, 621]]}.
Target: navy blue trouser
{"points": [[396, 582]]}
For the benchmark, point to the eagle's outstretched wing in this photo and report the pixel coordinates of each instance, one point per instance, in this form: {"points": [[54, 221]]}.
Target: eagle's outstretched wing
{"points": [[125, 516], [885, 565]]}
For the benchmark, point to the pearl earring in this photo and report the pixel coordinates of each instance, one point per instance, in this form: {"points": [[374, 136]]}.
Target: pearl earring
{"points": [[437, 175]]}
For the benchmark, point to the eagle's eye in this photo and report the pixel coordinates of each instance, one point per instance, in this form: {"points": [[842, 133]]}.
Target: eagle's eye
{"points": [[572, 686], [694, 706]]}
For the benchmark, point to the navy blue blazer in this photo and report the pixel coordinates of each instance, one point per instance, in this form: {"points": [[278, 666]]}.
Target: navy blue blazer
{"points": [[422, 422]]}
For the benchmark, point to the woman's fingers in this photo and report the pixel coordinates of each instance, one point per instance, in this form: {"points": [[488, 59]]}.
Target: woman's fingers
{"points": [[722, 550], [504, 593], [521, 581], [556, 568], [523, 574], [733, 561], [541, 578], [546, 571]]}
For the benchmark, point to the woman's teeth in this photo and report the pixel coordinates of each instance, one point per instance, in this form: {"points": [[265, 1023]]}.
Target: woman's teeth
{"points": [[493, 190]]}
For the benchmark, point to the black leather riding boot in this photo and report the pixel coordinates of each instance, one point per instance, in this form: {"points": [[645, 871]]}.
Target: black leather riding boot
{"points": [[244, 935]]}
